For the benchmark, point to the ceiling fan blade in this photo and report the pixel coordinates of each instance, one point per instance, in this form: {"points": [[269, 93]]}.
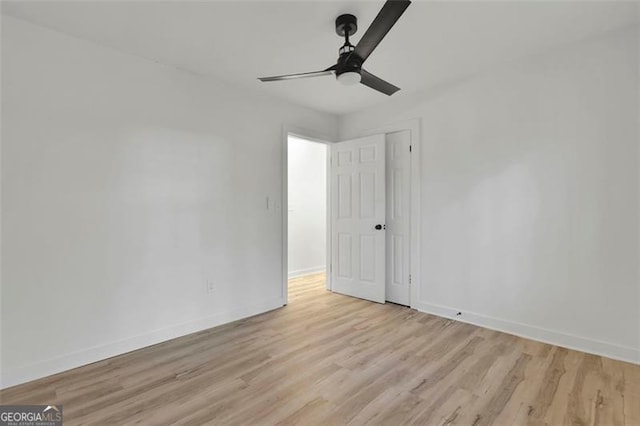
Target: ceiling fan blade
{"points": [[376, 83], [328, 71], [387, 17]]}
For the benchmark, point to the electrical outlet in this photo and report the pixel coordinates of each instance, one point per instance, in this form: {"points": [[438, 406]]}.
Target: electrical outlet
{"points": [[210, 286]]}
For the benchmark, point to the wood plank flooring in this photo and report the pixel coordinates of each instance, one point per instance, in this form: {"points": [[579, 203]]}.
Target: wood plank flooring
{"points": [[332, 360]]}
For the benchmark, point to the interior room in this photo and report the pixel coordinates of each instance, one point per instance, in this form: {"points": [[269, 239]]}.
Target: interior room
{"points": [[320, 212]]}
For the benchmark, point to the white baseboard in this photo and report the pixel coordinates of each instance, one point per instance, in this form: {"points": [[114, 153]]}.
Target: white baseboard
{"points": [[596, 347], [22, 374], [307, 271]]}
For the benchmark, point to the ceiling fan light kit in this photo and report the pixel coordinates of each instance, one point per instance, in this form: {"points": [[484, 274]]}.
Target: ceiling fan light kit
{"points": [[349, 78], [348, 70]]}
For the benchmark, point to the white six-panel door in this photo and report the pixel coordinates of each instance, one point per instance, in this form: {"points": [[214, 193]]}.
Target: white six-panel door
{"points": [[357, 207]]}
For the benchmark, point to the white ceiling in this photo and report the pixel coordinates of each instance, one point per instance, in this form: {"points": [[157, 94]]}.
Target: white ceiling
{"points": [[238, 41]]}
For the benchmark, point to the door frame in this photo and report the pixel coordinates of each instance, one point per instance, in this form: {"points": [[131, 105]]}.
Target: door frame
{"points": [[414, 127], [312, 136]]}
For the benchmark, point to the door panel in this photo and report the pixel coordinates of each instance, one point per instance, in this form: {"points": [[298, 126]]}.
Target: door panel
{"points": [[397, 253], [357, 206]]}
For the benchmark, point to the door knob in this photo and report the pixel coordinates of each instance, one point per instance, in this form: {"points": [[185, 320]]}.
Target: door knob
{"points": [[379, 227]]}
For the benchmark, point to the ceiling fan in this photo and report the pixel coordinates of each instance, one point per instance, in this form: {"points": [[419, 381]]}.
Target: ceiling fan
{"points": [[349, 69]]}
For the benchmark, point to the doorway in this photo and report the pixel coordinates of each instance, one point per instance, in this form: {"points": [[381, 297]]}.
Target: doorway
{"points": [[306, 214], [379, 205]]}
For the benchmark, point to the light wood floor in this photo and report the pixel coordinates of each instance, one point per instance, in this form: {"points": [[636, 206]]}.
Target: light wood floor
{"points": [[331, 359]]}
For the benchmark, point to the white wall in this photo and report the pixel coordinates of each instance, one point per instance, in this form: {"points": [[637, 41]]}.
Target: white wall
{"points": [[127, 185], [307, 182], [530, 195]]}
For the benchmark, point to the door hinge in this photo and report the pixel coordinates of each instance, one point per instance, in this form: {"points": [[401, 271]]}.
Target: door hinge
{"points": [[409, 279], [409, 148]]}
